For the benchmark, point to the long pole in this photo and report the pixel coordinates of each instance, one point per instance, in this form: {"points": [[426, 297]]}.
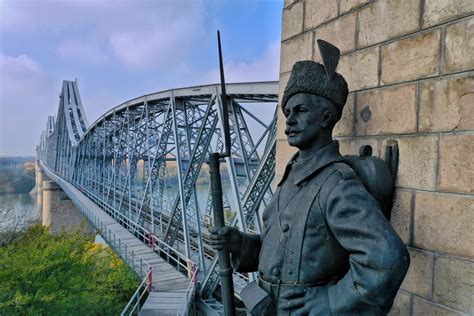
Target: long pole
{"points": [[225, 268]]}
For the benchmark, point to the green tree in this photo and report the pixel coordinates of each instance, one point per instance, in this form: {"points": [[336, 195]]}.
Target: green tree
{"points": [[65, 274]]}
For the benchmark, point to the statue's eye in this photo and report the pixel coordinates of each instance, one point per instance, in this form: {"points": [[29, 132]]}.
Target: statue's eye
{"points": [[302, 109]]}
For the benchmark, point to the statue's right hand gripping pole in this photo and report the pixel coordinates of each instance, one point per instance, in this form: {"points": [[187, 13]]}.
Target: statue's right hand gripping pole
{"points": [[225, 267]]}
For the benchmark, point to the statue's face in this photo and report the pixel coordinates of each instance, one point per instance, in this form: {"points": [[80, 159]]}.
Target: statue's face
{"points": [[303, 114]]}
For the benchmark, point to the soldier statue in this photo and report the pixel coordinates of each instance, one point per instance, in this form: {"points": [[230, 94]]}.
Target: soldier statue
{"points": [[326, 247]]}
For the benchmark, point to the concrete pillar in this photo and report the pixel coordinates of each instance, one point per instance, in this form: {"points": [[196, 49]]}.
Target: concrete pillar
{"points": [[59, 213], [40, 176]]}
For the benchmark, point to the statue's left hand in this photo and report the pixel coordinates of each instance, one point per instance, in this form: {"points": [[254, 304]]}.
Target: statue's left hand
{"points": [[308, 301]]}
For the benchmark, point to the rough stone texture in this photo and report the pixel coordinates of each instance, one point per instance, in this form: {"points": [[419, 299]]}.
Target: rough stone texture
{"points": [[59, 212], [456, 167], [401, 304], [296, 49], [386, 111], [360, 69], [418, 162], [459, 46], [345, 125], [425, 307], [292, 23], [381, 21], [350, 146], [420, 273], [413, 58], [443, 223], [439, 11], [319, 11], [447, 104], [454, 283], [348, 5], [284, 153], [401, 218], [289, 2], [340, 32]]}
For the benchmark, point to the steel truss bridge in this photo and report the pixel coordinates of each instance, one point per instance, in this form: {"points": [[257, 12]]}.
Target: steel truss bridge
{"points": [[144, 162]]}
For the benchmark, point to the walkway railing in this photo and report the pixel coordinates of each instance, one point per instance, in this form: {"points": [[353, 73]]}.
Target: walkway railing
{"points": [[137, 298], [136, 262]]}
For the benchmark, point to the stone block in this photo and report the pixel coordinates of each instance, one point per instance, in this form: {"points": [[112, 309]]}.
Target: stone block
{"points": [[453, 283], [401, 304], [348, 5], [439, 11], [447, 104], [345, 125], [360, 68], [292, 23], [384, 20], [386, 111], [401, 218], [296, 49], [459, 46], [417, 162], [456, 163], [283, 154], [319, 11], [420, 274], [351, 146], [413, 58], [289, 2], [443, 223], [426, 307], [340, 32]]}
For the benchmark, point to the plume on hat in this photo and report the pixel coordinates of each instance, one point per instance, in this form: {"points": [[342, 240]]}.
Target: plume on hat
{"points": [[311, 77]]}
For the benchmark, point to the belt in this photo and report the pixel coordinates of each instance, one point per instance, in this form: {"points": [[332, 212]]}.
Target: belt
{"points": [[274, 288]]}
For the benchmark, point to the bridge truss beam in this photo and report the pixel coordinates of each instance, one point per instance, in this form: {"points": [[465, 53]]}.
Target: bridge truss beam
{"points": [[147, 159]]}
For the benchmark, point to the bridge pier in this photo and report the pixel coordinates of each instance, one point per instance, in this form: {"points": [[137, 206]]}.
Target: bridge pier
{"points": [[40, 176], [59, 212]]}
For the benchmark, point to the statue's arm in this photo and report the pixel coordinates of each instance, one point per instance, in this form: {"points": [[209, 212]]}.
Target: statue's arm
{"points": [[378, 258], [247, 259]]}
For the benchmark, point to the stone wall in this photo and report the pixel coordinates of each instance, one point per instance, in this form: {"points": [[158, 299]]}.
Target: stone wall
{"points": [[59, 213], [410, 69]]}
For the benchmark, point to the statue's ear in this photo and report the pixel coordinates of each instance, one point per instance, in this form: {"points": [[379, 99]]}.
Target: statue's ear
{"points": [[329, 117]]}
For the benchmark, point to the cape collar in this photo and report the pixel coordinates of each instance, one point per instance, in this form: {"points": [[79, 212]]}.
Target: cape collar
{"points": [[303, 170]]}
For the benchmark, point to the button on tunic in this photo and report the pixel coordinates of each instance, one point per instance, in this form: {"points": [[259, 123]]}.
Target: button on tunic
{"points": [[323, 229]]}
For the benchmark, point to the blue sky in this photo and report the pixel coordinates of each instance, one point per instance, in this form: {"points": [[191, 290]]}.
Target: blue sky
{"points": [[119, 50]]}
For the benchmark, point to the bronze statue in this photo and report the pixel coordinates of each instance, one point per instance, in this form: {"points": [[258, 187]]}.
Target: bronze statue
{"points": [[326, 247]]}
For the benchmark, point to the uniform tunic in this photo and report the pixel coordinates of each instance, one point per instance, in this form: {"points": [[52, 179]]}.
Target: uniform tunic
{"points": [[323, 229]]}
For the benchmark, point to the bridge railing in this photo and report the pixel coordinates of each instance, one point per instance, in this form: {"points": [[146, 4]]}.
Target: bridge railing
{"points": [[171, 255], [138, 296]]}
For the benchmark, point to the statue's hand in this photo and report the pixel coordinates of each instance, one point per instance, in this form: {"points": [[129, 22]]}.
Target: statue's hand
{"points": [[308, 301], [229, 236]]}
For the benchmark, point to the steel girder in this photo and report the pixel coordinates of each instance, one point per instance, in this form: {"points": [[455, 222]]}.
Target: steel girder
{"points": [[133, 156]]}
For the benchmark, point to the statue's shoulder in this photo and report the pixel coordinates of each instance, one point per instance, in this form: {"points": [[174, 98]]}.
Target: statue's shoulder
{"points": [[344, 171]]}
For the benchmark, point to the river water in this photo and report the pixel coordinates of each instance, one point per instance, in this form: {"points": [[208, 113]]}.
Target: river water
{"points": [[16, 209]]}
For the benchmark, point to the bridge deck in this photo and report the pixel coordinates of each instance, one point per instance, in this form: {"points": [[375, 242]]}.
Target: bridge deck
{"points": [[169, 285]]}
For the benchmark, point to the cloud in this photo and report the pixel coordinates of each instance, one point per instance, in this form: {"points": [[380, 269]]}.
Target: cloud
{"points": [[158, 45], [27, 95], [263, 68], [82, 51], [151, 34]]}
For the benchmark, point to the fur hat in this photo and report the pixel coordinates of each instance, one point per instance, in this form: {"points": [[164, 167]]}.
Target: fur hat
{"points": [[311, 77]]}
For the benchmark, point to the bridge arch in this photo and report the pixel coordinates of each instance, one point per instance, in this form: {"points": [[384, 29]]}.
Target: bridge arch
{"points": [[169, 134]]}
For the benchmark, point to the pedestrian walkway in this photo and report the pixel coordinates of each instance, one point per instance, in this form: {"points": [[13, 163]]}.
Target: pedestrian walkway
{"points": [[171, 289]]}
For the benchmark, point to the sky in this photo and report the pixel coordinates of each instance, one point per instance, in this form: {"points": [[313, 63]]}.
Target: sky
{"points": [[119, 50]]}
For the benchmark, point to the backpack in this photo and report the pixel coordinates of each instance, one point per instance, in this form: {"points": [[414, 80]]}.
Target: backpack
{"points": [[377, 176]]}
